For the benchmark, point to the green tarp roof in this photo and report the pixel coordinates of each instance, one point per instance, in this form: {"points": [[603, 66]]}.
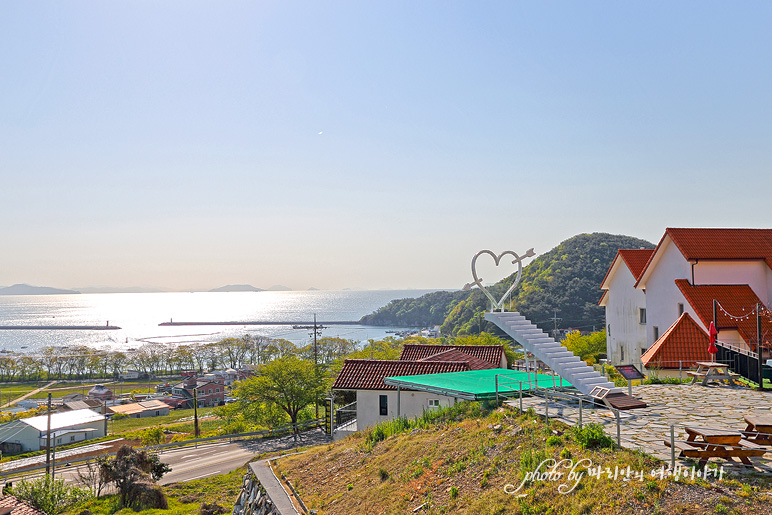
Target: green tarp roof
{"points": [[476, 384]]}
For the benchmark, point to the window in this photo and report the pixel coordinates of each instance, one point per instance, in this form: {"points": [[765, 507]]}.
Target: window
{"points": [[210, 391], [217, 390], [656, 333], [680, 309], [383, 403], [434, 403], [157, 413], [641, 315], [72, 438]]}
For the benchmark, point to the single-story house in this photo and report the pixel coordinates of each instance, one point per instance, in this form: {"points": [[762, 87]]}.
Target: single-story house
{"points": [[149, 408], [94, 405], [377, 401], [29, 434]]}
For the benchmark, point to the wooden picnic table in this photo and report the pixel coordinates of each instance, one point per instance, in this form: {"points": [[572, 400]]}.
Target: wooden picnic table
{"points": [[712, 371], [708, 442], [759, 429]]}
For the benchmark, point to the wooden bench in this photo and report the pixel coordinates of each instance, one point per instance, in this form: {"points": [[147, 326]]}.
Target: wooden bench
{"points": [[717, 443]]}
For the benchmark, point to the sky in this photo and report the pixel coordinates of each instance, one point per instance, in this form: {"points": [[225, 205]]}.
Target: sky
{"points": [[192, 144]]}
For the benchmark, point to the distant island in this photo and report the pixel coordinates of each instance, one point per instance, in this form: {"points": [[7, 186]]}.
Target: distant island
{"points": [[26, 289], [236, 287], [279, 287]]}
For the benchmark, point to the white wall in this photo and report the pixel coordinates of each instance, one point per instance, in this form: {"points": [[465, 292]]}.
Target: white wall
{"points": [[753, 273], [623, 329], [19, 432], [412, 403], [662, 294]]}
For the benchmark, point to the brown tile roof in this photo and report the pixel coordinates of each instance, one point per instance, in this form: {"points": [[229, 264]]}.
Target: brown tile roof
{"points": [[416, 352], [13, 506], [684, 341], [368, 374], [636, 259], [457, 355], [704, 243], [738, 300]]}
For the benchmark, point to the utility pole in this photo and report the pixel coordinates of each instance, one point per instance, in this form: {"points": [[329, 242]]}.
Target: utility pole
{"points": [[48, 439], [195, 410], [555, 331], [316, 332]]}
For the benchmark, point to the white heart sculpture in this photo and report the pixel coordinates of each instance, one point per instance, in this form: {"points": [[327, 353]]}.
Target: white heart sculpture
{"points": [[499, 304]]}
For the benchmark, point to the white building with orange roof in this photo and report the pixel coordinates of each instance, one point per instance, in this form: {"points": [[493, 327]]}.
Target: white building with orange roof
{"points": [[688, 270], [625, 306]]}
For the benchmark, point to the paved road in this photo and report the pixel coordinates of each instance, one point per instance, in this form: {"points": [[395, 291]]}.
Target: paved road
{"points": [[189, 463]]}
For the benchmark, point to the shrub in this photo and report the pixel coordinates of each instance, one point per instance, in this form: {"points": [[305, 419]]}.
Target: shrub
{"points": [[51, 496], [384, 474], [554, 440], [453, 492], [592, 436]]}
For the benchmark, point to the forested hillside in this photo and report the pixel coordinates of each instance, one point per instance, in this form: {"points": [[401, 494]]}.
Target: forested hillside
{"points": [[564, 281]]}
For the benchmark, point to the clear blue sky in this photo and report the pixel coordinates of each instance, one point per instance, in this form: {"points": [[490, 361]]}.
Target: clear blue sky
{"points": [[367, 144]]}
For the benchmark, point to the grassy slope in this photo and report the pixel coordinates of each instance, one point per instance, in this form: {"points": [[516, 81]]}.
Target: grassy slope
{"points": [[478, 459], [184, 498]]}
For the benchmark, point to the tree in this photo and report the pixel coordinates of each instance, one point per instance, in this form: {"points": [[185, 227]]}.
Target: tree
{"points": [[288, 383], [586, 347], [133, 473]]}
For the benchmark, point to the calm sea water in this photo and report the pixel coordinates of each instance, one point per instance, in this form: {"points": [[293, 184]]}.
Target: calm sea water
{"points": [[138, 315]]}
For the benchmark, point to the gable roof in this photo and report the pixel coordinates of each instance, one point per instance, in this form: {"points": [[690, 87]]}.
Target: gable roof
{"points": [[63, 420], [684, 341], [634, 259], [11, 505], [738, 302], [419, 351], [704, 243], [368, 374], [716, 244], [457, 355]]}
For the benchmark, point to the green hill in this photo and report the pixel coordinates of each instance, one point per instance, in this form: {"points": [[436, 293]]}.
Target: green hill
{"points": [[564, 281]]}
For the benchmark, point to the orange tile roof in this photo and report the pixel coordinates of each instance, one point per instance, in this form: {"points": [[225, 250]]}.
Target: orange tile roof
{"points": [[723, 243], [636, 259], [738, 300], [368, 374], [457, 355], [14, 506], [684, 341], [490, 353]]}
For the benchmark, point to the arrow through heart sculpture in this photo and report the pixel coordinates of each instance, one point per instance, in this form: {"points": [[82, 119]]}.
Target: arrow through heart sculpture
{"points": [[499, 304]]}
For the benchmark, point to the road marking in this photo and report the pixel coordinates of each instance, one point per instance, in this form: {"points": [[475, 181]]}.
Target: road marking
{"points": [[199, 477]]}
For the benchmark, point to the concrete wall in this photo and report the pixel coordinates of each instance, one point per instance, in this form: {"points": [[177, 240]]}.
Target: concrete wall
{"points": [[623, 327], [412, 403]]}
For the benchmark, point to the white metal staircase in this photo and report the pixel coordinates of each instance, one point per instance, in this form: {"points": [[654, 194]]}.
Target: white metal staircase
{"points": [[558, 358]]}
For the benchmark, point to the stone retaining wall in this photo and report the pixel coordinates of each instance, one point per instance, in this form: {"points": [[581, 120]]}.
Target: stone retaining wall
{"points": [[253, 499]]}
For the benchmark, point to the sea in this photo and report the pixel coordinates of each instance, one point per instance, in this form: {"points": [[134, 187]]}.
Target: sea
{"points": [[139, 314]]}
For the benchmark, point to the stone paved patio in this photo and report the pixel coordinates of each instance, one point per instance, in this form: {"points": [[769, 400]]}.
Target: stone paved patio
{"points": [[680, 405]]}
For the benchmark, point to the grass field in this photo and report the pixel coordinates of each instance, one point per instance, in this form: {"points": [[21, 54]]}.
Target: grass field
{"points": [[134, 424]]}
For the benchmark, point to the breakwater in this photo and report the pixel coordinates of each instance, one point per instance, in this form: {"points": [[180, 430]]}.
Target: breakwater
{"points": [[260, 322], [59, 328]]}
